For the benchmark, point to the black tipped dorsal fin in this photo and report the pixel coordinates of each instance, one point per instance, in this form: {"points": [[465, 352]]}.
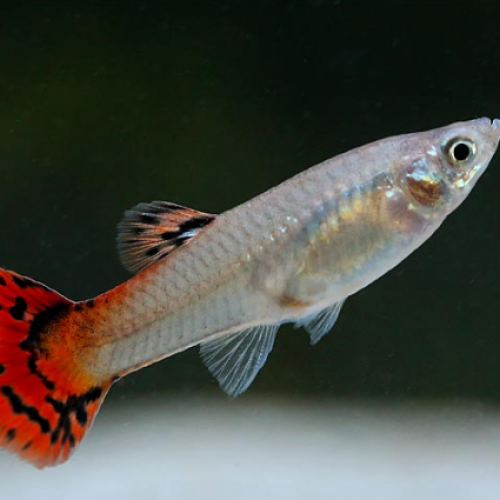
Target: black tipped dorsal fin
{"points": [[151, 231]]}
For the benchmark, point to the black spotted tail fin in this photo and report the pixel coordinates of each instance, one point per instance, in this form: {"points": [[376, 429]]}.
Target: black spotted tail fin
{"points": [[47, 403]]}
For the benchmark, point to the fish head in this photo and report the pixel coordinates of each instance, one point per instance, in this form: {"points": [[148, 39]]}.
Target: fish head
{"points": [[445, 164]]}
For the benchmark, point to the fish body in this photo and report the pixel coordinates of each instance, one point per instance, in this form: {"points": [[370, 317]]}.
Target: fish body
{"points": [[287, 254], [227, 282]]}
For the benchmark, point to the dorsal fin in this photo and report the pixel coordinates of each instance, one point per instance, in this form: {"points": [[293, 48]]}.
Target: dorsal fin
{"points": [[151, 231]]}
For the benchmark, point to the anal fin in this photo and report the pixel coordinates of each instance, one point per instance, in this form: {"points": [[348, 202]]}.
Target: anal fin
{"points": [[235, 360]]}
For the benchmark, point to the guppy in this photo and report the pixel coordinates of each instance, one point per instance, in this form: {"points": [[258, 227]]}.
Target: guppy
{"points": [[226, 282]]}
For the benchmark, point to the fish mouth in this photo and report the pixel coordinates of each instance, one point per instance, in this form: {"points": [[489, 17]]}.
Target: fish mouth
{"points": [[494, 126], [495, 132], [491, 129]]}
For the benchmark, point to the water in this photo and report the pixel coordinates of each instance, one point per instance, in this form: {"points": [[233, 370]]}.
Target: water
{"points": [[106, 104]]}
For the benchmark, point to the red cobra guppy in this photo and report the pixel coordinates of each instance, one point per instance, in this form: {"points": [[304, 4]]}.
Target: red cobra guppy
{"points": [[227, 282]]}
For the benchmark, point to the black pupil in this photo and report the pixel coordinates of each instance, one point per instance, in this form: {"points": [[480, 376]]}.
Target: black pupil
{"points": [[461, 151]]}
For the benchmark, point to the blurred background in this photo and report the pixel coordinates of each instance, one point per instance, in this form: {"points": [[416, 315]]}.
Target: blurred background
{"points": [[107, 103]]}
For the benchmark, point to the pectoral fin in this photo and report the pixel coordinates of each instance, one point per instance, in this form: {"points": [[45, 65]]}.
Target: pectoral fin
{"points": [[236, 359], [321, 323]]}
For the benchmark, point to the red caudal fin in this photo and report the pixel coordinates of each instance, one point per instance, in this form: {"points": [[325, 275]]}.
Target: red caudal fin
{"points": [[47, 403]]}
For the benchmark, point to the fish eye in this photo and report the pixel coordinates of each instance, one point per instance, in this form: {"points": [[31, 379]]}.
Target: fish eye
{"points": [[460, 151]]}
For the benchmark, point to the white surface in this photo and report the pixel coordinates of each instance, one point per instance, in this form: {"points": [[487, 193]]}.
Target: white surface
{"points": [[258, 449]]}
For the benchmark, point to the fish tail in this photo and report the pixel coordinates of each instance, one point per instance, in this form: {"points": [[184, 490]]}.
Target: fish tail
{"points": [[47, 401]]}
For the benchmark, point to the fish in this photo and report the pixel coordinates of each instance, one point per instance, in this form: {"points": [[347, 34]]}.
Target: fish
{"points": [[226, 282]]}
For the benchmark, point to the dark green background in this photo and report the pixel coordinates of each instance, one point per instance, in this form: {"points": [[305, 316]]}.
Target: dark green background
{"points": [[105, 104]]}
